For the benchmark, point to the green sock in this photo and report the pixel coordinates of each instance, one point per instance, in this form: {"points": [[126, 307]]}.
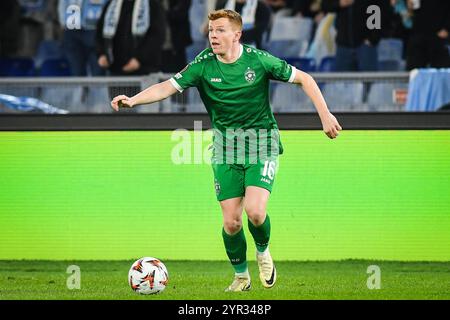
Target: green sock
{"points": [[236, 248], [261, 234]]}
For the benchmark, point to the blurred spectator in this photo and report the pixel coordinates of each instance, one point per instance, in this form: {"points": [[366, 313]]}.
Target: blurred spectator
{"points": [[178, 35], [429, 35], [401, 22], [323, 44], [402, 18], [356, 43], [9, 27], [209, 6], [79, 34], [256, 17], [309, 9], [38, 22], [280, 7], [130, 35]]}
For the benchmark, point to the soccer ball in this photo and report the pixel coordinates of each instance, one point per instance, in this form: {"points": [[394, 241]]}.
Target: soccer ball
{"points": [[148, 276]]}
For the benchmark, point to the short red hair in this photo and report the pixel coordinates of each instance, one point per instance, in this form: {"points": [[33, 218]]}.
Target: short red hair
{"points": [[232, 16]]}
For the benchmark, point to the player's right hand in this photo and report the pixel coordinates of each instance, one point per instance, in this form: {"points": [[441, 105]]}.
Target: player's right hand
{"points": [[121, 101], [331, 126]]}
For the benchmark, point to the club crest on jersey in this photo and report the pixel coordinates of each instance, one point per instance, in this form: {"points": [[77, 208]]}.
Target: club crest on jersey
{"points": [[217, 186], [250, 75]]}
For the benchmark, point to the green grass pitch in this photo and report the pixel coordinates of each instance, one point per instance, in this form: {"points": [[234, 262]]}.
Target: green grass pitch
{"points": [[206, 280]]}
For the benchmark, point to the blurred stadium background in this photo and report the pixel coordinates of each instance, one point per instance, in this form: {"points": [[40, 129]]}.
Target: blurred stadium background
{"points": [[71, 193], [42, 58]]}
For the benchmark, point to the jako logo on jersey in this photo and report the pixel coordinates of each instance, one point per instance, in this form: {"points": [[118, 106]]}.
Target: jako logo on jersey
{"points": [[216, 80], [265, 180], [178, 76], [250, 75]]}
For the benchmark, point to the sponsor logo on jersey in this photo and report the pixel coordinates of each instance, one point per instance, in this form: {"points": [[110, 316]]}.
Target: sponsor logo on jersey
{"points": [[265, 180], [250, 75], [216, 80], [178, 76]]}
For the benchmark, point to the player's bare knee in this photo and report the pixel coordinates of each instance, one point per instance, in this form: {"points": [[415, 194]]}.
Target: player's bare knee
{"points": [[232, 226], [257, 220], [256, 214]]}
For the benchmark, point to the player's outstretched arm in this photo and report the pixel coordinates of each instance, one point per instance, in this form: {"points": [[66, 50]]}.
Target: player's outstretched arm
{"points": [[330, 125], [154, 93]]}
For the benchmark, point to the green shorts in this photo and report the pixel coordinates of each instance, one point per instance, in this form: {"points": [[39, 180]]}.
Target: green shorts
{"points": [[230, 180]]}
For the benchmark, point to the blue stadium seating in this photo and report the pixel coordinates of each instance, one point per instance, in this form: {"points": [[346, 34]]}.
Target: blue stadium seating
{"points": [[194, 49], [289, 36], [284, 48], [343, 95], [303, 64], [389, 65], [381, 95], [327, 64], [194, 102], [390, 52], [48, 49], [196, 17], [16, 67], [390, 49], [55, 68], [289, 98]]}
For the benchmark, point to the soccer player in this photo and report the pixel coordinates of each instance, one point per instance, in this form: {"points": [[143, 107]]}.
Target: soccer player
{"points": [[233, 82]]}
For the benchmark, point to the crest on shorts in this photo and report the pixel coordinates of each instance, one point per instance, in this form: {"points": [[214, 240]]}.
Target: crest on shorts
{"points": [[217, 187], [250, 75]]}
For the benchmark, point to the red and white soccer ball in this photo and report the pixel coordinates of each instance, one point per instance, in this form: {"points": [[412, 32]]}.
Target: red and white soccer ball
{"points": [[148, 276]]}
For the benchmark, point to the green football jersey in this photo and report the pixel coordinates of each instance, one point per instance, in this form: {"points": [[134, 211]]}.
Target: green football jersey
{"points": [[236, 95]]}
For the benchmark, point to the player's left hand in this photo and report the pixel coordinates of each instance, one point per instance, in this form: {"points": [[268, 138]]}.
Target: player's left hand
{"points": [[121, 101], [330, 125]]}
